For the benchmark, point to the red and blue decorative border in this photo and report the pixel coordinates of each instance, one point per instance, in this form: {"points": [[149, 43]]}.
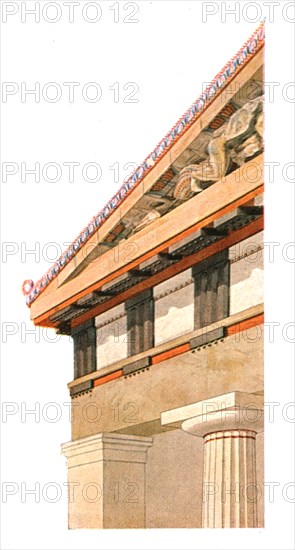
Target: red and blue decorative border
{"points": [[222, 79]]}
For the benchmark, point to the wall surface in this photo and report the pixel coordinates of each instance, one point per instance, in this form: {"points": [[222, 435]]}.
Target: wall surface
{"points": [[174, 481]]}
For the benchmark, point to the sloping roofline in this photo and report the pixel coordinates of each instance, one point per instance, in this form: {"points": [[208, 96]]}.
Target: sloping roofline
{"points": [[245, 53]]}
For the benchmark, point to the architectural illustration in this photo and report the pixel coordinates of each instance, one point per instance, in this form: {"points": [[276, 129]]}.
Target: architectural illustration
{"points": [[162, 294]]}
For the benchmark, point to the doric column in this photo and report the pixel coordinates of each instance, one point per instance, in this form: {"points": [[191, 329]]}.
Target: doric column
{"points": [[106, 481], [228, 425], [229, 481]]}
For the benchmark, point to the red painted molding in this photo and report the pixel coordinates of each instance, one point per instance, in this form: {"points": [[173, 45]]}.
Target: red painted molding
{"points": [[170, 353], [244, 325], [230, 437], [108, 378]]}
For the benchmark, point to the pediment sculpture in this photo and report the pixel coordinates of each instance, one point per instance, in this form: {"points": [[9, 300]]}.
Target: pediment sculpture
{"points": [[237, 141]]}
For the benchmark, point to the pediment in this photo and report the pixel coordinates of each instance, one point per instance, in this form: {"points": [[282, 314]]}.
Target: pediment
{"points": [[161, 197], [162, 191]]}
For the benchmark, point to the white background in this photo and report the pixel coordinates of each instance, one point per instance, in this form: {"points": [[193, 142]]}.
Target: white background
{"points": [[169, 53]]}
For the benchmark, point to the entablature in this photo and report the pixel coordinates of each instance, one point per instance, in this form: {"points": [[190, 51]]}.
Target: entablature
{"points": [[215, 218]]}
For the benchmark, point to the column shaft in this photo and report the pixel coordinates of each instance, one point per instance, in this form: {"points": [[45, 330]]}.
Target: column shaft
{"points": [[229, 483]]}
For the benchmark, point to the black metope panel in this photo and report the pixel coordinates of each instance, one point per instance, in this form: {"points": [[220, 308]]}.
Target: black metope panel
{"points": [[140, 322], [212, 279], [84, 338]]}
